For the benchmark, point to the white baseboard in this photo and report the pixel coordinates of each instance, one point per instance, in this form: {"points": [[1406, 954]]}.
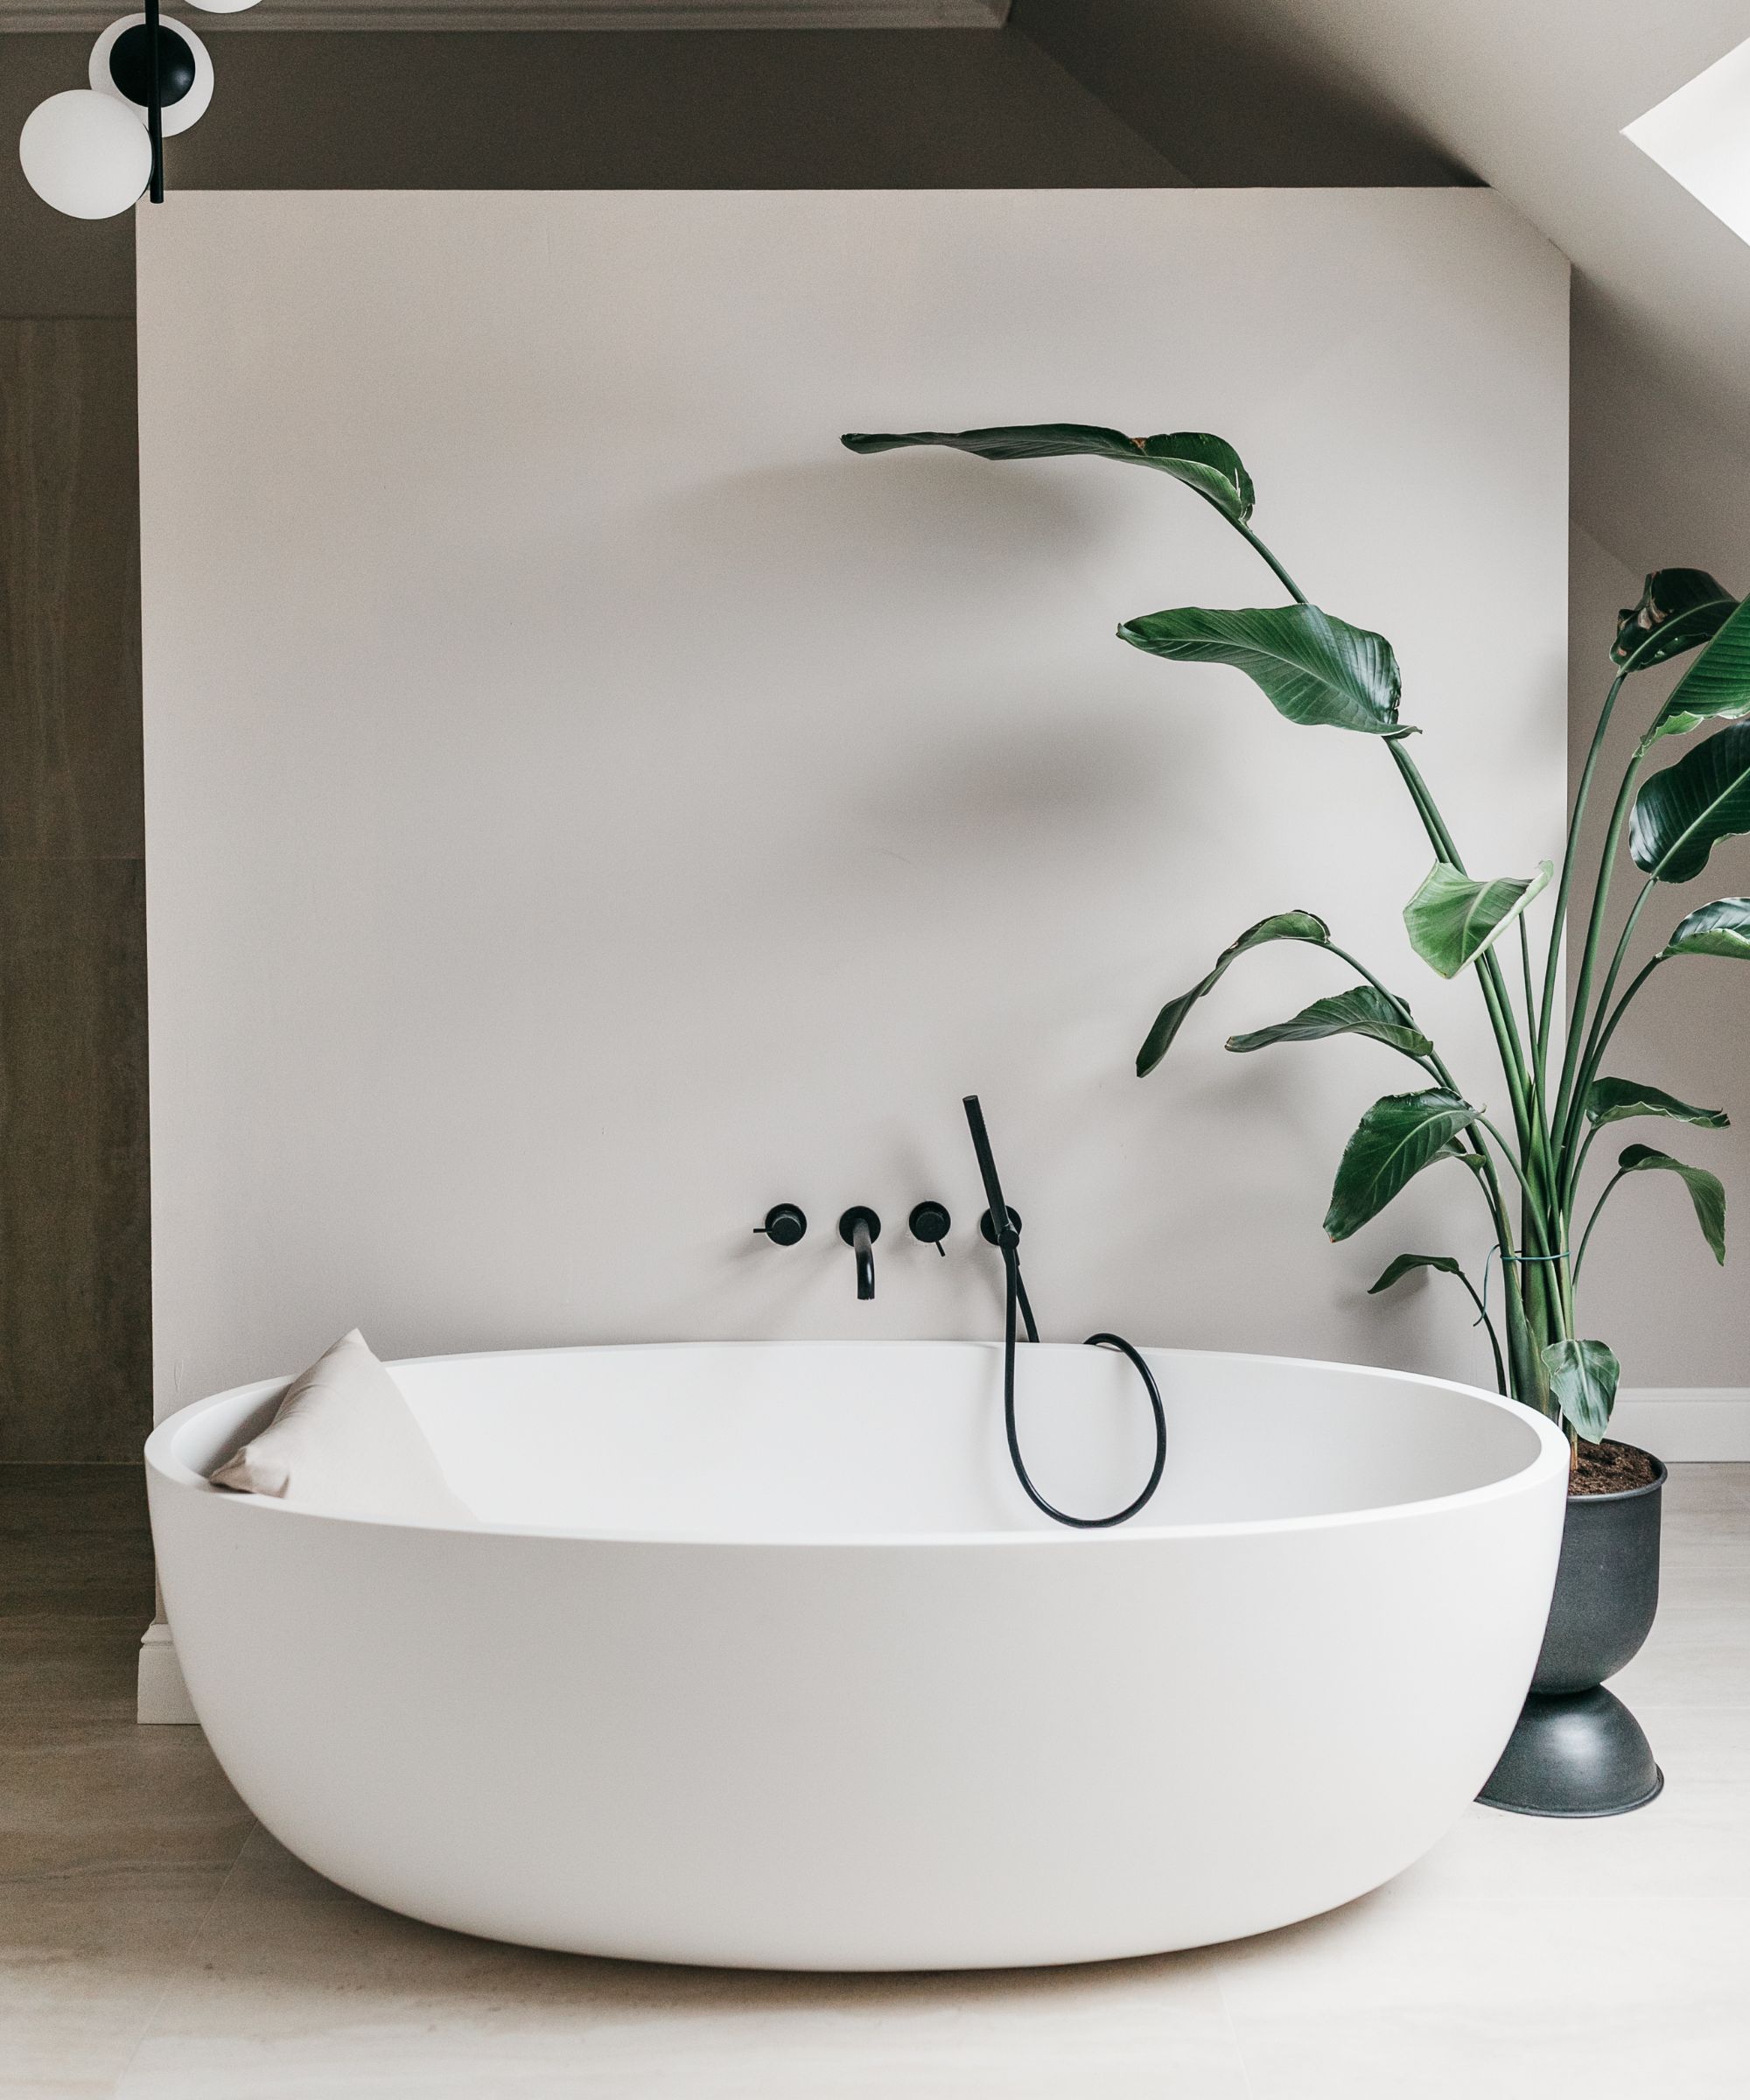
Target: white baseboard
{"points": [[1686, 1425], [162, 1696]]}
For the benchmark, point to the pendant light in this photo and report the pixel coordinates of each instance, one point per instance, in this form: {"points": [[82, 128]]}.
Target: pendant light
{"points": [[94, 152]]}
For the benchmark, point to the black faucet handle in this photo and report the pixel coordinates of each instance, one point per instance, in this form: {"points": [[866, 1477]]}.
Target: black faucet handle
{"points": [[785, 1224], [929, 1222]]}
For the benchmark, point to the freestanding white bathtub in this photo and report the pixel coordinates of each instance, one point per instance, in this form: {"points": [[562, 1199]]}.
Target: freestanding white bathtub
{"points": [[760, 1657]]}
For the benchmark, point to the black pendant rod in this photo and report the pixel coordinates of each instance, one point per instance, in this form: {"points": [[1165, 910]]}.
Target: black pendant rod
{"points": [[155, 105]]}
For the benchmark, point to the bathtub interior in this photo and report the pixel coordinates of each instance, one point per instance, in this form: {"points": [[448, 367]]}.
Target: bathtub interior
{"points": [[846, 1440]]}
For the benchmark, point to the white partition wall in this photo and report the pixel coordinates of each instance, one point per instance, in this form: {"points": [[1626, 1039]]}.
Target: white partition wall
{"points": [[585, 805]]}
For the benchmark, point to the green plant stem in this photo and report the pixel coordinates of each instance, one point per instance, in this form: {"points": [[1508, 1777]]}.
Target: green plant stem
{"points": [[1582, 1006], [1362, 969], [1263, 552], [1586, 1236], [1603, 1032], [1531, 998], [1539, 1120], [1579, 1167], [1500, 1385], [1569, 854], [1620, 953], [1594, 1051], [1507, 1152]]}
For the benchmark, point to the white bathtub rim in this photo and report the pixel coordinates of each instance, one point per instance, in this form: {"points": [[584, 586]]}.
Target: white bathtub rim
{"points": [[1552, 1456]]}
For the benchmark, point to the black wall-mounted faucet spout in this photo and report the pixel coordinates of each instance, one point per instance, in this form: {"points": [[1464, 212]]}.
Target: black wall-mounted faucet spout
{"points": [[859, 1228]]}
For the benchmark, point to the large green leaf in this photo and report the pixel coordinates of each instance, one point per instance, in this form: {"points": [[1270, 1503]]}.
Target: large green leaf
{"points": [[1452, 918], [1362, 1011], [1280, 926], [1209, 464], [1716, 686], [1394, 1141], [1682, 813], [1616, 1100], [1679, 609], [1583, 1376], [1317, 671], [1720, 929], [1406, 1264], [1707, 1192]]}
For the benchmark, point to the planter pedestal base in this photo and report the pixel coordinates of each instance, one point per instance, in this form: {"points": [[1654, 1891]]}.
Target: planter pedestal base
{"points": [[1574, 1754], [1576, 1749]]}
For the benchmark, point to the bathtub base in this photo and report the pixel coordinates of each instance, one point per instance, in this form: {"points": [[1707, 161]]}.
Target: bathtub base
{"points": [[160, 1695], [1577, 1753]]}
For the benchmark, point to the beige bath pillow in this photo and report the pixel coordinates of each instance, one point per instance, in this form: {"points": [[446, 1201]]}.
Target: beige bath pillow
{"points": [[345, 1442]]}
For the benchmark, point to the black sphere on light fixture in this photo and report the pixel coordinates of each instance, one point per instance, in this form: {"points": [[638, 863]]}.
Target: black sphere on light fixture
{"points": [[130, 65]]}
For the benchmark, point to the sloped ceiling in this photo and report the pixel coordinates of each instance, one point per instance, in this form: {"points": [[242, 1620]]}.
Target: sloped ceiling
{"points": [[1530, 96]]}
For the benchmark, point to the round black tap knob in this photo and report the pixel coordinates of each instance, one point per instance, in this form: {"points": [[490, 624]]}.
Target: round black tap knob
{"points": [[929, 1222], [785, 1224]]}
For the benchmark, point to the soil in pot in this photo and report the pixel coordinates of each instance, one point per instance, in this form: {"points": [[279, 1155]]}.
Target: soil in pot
{"points": [[1609, 1468]]}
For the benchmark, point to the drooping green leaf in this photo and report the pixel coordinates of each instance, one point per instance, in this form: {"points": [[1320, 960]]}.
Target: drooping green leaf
{"points": [[1452, 918], [1317, 671], [1716, 686], [1679, 609], [1394, 1141], [1616, 1100], [1280, 926], [1707, 1192], [1583, 1376], [1682, 813], [1407, 1264], [1719, 928], [1209, 464], [1362, 1011]]}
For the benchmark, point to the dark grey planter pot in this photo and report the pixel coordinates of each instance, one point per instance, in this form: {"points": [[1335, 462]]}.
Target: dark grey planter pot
{"points": [[1577, 1750]]}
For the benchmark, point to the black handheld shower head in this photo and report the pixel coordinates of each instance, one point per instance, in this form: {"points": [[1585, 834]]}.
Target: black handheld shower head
{"points": [[1005, 1230]]}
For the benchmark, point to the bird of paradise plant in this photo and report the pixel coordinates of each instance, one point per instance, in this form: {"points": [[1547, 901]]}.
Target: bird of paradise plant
{"points": [[1319, 671]]}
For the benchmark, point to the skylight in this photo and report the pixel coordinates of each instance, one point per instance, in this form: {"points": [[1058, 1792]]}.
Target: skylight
{"points": [[1701, 135]]}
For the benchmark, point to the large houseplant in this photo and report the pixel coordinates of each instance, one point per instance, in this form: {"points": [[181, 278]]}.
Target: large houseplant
{"points": [[1530, 1168]]}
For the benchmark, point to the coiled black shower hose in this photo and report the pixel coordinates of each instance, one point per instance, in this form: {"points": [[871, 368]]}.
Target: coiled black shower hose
{"points": [[1007, 1229]]}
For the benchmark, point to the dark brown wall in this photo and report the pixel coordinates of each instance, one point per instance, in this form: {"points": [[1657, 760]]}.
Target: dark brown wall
{"points": [[1233, 111], [74, 1312], [813, 110]]}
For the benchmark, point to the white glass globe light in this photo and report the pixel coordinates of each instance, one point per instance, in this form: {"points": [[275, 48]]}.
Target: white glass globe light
{"points": [[221, 7], [87, 154], [176, 116]]}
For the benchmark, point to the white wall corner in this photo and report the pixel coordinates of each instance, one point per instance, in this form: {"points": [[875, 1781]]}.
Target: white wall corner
{"points": [[162, 1696], [1686, 1425]]}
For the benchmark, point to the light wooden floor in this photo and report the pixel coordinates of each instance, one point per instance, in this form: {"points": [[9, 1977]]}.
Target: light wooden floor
{"points": [[155, 1942]]}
